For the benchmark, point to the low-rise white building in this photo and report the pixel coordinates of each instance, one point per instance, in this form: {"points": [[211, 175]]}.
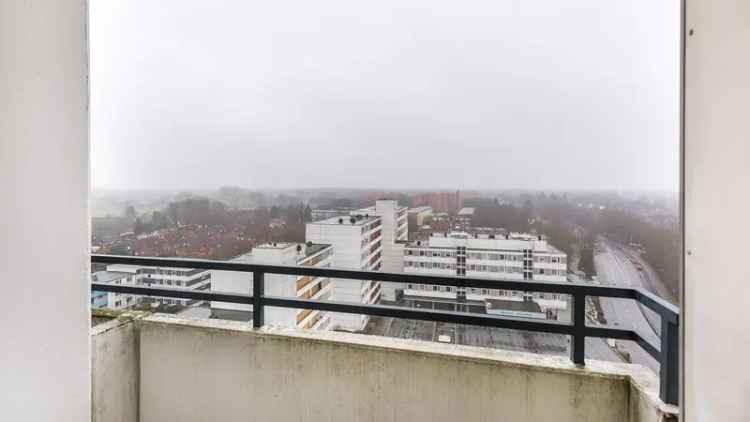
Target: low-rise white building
{"points": [[419, 216], [305, 287], [185, 278], [358, 245], [465, 216], [147, 276], [110, 300], [511, 257]]}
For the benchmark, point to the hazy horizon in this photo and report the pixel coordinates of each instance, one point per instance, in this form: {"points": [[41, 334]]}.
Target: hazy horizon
{"points": [[528, 95]]}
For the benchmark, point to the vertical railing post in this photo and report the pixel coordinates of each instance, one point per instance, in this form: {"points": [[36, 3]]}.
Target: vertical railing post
{"points": [[578, 339], [669, 361], [258, 289]]}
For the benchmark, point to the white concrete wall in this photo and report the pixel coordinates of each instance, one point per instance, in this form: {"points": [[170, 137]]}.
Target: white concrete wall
{"points": [[231, 282], [393, 262], [717, 209], [44, 221], [288, 375], [115, 371]]}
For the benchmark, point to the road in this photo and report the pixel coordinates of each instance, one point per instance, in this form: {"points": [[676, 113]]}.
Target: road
{"points": [[616, 265], [649, 279]]}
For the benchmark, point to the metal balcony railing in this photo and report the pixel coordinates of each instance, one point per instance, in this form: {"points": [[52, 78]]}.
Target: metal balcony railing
{"points": [[665, 353]]}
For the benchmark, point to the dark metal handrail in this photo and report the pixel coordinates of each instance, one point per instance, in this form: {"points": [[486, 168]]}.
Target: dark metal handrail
{"points": [[666, 353]]}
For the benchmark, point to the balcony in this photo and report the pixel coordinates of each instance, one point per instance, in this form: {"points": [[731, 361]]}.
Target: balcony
{"points": [[153, 367], [158, 367]]}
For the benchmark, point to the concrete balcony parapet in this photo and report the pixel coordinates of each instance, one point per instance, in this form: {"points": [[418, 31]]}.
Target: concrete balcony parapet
{"points": [[161, 367]]}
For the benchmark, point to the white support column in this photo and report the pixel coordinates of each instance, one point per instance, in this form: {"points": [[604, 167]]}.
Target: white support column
{"points": [[717, 210], [44, 221]]}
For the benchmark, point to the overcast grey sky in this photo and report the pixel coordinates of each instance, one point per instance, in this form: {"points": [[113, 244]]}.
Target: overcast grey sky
{"points": [[540, 94]]}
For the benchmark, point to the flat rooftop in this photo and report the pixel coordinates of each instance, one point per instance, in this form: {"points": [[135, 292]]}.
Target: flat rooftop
{"points": [[331, 210], [346, 220], [468, 211], [108, 276], [513, 305], [276, 245], [308, 250], [315, 248], [487, 241]]}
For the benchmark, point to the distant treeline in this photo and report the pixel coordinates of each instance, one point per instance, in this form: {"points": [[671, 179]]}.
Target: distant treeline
{"points": [[257, 223], [661, 244], [528, 218], [570, 226], [574, 228]]}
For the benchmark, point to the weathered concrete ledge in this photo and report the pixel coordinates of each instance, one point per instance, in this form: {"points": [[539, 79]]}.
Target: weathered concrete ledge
{"points": [[196, 370], [115, 366]]}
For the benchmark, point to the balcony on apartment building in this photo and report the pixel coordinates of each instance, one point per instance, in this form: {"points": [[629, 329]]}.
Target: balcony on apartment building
{"points": [[158, 367]]}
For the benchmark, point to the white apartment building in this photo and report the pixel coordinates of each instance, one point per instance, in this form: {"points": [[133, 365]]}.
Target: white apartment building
{"points": [[304, 287], [185, 278], [358, 245], [110, 300], [395, 233], [511, 257], [394, 217]]}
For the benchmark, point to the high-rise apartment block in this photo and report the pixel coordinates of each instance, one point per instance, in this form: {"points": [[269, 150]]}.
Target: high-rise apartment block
{"points": [[395, 229], [395, 233], [357, 243]]}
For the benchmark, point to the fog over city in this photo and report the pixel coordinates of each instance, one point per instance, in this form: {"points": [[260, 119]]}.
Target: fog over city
{"points": [[530, 94]]}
